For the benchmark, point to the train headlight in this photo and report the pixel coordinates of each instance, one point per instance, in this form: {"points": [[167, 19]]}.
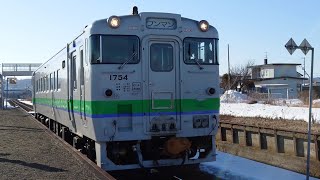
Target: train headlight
{"points": [[204, 25], [114, 21]]}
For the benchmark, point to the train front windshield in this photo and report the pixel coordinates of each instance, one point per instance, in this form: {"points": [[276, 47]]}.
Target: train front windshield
{"points": [[201, 50], [115, 49]]}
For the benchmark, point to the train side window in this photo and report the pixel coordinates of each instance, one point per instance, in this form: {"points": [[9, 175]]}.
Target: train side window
{"points": [[44, 84], [63, 64], [81, 68], [50, 82], [94, 44], [74, 72], [41, 84], [86, 51], [58, 83], [54, 81], [47, 83]]}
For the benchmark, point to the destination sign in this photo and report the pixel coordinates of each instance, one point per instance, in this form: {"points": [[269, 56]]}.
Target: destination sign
{"points": [[161, 23]]}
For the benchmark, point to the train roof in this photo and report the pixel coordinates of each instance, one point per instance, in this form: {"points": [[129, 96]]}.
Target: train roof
{"points": [[146, 22]]}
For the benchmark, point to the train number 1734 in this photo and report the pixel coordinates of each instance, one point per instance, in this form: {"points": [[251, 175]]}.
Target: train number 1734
{"points": [[114, 77]]}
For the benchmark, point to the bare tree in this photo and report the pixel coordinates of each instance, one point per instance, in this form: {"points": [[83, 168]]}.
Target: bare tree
{"points": [[239, 75]]}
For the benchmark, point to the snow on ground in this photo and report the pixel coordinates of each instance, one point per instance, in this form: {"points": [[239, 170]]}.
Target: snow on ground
{"points": [[228, 166], [233, 96], [7, 105], [288, 102], [26, 102], [268, 111], [238, 107]]}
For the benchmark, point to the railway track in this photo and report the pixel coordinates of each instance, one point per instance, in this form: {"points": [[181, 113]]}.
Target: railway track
{"points": [[26, 107]]}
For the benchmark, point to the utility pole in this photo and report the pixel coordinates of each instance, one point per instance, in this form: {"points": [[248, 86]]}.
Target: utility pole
{"points": [[304, 69], [7, 93], [2, 89], [229, 85]]}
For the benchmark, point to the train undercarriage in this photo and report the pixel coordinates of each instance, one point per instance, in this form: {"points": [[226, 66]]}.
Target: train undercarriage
{"points": [[155, 152]]}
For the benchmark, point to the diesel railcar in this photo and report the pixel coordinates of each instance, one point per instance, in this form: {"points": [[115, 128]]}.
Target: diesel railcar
{"points": [[135, 91]]}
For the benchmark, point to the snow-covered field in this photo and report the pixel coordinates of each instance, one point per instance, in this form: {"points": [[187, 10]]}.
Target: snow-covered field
{"points": [[228, 166], [284, 109], [268, 111]]}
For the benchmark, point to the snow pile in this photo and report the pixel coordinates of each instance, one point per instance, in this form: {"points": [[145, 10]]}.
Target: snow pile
{"points": [[5, 104], [26, 102], [316, 102], [229, 166], [233, 96], [268, 111]]}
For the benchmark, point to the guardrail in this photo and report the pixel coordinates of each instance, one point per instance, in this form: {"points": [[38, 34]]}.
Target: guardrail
{"points": [[279, 147]]}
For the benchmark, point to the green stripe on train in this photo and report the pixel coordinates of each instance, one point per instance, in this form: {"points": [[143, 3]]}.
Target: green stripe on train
{"points": [[134, 106]]}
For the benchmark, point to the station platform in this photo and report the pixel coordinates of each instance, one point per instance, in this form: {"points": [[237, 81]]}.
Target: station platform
{"points": [[30, 151]]}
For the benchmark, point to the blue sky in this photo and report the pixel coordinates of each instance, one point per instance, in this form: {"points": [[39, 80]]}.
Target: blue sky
{"points": [[34, 30]]}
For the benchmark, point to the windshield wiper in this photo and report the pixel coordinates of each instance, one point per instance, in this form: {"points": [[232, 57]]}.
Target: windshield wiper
{"points": [[129, 59], [200, 67], [195, 60]]}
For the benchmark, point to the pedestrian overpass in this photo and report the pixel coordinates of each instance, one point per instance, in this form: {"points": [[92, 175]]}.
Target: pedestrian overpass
{"points": [[9, 70]]}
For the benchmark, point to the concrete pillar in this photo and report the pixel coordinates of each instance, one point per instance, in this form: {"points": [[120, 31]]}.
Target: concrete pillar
{"points": [[242, 138], [271, 143], [276, 142], [313, 149], [289, 147], [229, 135]]}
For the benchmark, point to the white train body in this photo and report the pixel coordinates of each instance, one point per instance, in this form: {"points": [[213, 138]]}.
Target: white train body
{"points": [[143, 93]]}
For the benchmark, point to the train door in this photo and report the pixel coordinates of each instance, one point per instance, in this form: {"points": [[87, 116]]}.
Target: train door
{"points": [[72, 74], [162, 87], [82, 87]]}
